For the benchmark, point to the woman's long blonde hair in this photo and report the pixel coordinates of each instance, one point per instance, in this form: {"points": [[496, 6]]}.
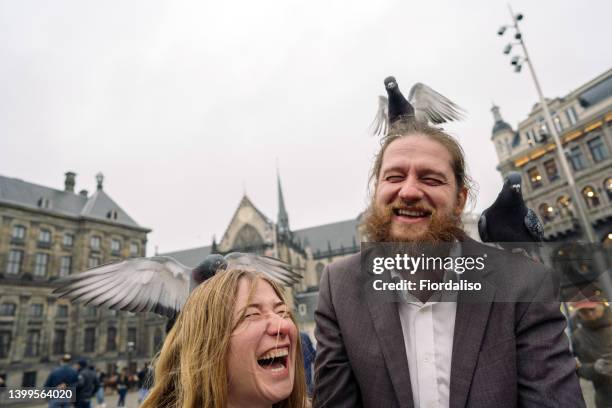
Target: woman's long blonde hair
{"points": [[191, 368]]}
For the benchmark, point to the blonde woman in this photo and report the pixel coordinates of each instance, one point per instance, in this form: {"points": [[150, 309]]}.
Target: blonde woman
{"points": [[235, 344]]}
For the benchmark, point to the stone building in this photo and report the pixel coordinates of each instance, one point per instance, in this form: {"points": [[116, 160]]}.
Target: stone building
{"points": [[583, 119], [308, 249], [46, 234]]}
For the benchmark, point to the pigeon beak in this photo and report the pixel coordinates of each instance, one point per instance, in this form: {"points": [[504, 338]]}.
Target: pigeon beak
{"points": [[516, 187]]}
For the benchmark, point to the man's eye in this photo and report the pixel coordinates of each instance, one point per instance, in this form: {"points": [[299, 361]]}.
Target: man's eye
{"points": [[394, 179], [433, 181]]}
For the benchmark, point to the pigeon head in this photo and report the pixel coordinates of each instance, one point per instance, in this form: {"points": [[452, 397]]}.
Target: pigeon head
{"points": [[513, 181], [390, 83], [208, 268]]}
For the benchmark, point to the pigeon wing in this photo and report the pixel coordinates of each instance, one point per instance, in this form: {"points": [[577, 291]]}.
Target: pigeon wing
{"points": [[380, 124], [276, 269], [432, 106], [534, 226], [159, 284]]}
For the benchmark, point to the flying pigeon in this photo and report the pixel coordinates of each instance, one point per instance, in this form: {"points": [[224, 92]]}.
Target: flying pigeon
{"points": [[423, 105], [508, 220], [161, 284]]}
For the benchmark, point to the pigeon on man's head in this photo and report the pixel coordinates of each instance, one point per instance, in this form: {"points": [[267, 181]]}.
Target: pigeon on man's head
{"points": [[423, 105], [161, 284], [508, 221]]}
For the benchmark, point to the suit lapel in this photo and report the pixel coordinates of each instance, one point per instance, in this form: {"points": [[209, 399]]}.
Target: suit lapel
{"points": [[385, 317], [470, 325]]}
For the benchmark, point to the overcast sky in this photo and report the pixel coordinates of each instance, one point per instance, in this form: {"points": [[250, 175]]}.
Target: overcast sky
{"points": [[184, 105]]}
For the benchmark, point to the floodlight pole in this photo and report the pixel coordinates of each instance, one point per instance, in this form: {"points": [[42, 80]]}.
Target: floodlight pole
{"points": [[579, 205]]}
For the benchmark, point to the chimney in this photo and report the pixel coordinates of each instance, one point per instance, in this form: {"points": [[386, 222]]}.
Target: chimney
{"points": [[69, 182], [83, 193]]}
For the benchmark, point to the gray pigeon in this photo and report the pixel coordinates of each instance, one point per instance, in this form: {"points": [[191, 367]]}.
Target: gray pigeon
{"points": [[161, 284], [508, 220], [423, 105]]}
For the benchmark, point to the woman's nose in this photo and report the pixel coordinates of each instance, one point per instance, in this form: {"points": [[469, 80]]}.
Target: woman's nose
{"points": [[278, 325]]}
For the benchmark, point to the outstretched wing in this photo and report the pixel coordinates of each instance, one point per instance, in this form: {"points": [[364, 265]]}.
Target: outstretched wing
{"points": [[534, 226], [276, 269], [380, 124], [159, 284], [431, 106]]}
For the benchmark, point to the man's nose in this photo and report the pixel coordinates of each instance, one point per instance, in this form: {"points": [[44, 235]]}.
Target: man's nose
{"points": [[410, 190]]}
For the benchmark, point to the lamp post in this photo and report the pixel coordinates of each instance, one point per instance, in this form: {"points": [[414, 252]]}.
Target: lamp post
{"points": [[585, 224]]}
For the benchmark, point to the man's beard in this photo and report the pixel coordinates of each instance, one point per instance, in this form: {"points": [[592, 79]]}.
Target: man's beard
{"points": [[378, 225]]}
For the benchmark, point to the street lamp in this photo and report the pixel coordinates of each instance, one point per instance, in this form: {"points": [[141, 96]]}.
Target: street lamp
{"points": [[517, 62]]}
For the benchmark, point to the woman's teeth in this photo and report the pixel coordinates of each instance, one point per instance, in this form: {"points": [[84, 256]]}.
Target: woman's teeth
{"points": [[275, 360]]}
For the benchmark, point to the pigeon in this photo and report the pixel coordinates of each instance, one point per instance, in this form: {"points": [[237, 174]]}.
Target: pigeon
{"points": [[423, 105], [161, 284], [508, 220]]}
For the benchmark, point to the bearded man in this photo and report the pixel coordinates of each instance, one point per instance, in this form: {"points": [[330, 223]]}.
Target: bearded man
{"points": [[421, 351]]}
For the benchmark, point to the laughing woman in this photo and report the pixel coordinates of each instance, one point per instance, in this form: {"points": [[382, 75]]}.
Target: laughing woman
{"points": [[235, 344]]}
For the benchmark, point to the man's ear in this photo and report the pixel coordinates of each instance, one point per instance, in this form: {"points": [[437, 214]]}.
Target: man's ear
{"points": [[461, 200]]}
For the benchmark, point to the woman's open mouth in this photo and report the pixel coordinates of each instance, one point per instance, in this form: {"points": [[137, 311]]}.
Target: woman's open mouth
{"points": [[274, 360]]}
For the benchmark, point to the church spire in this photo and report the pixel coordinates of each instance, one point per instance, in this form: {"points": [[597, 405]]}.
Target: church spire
{"points": [[283, 218]]}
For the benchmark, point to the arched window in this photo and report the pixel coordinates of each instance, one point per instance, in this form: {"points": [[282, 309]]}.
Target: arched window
{"points": [[608, 187], [564, 204], [547, 212], [590, 197], [247, 237]]}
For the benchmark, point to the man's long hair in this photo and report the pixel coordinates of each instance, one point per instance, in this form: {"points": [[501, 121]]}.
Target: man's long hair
{"points": [[191, 369]]}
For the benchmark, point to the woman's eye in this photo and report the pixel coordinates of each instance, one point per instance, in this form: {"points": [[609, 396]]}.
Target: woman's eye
{"points": [[283, 313], [252, 315]]}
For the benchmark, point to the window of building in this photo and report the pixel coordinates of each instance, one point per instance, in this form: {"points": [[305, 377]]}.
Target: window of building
{"points": [[564, 205], [552, 172], [65, 266], [32, 343], [19, 233], [570, 113], [547, 212], [535, 177], [68, 240], [598, 149], [134, 249], [44, 236], [89, 340], [112, 215], [111, 339], [15, 258], [576, 158], [62, 311], [5, 343], [36, 310], [8, 309], [590, 197], [115, 246], [94, 243], [59, 341], [543, 131], [40, 264], [29, 379], [91, 311], [131, 336], [558, 124], [93, 261], [608, 187], [44, 202], [530, 136], [158, 339]]}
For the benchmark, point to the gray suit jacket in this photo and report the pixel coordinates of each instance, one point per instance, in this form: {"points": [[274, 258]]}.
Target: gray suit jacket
{"points": [[505, 354]]}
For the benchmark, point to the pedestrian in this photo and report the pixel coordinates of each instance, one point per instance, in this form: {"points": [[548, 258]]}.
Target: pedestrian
{"points": [[145, 381], [592, 340], [86, 386], [63, 377], [123, 381], [416, 348], [100, 391]]}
